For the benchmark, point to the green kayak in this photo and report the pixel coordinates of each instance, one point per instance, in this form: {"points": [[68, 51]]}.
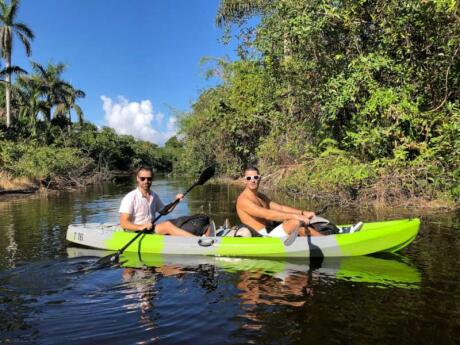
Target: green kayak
{"points": [[376, 237]]}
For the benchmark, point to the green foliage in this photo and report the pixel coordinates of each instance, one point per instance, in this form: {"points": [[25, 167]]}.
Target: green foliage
{"points": [[83, 151], [111, 151], [227, 122], [173, 151], [331, 174], [366, 84], [42, 162]]}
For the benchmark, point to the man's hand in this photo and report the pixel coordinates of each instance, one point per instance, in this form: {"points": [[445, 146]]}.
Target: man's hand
{"points": [[308, 214], [303, 218], [148, 226], [179, 196]]}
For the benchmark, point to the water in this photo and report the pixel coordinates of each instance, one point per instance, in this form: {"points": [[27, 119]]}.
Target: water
{"points": [[53, 293]]}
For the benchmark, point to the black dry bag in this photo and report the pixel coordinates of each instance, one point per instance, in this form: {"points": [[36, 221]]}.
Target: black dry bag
{"points": [[196, 224]]}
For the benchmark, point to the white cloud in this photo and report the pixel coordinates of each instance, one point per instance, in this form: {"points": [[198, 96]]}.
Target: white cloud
{"points": [[138, 119], [172, 124]]}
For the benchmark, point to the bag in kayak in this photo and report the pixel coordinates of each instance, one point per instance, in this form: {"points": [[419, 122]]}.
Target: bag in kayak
{"points": [[196, 224], [324, 226], [242, 230]]}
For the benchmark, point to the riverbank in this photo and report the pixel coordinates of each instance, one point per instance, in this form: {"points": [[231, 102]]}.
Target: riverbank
{"points": [[381, 195], [10, 186], [75, 159], [16, 185]]}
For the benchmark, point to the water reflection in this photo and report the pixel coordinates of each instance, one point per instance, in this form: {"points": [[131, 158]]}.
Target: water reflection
{"points": [[46, 297], [259, 284], [388, 270]]}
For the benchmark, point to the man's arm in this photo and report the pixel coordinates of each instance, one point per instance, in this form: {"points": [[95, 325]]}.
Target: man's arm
{"points": [[160, 204], [254, 210], [283, 208], [126, 223]]}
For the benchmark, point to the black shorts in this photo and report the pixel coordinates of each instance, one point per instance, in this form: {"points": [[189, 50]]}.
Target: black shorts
{"points": [[271, 225]]}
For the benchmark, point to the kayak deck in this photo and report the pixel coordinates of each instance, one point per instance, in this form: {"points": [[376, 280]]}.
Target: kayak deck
{"points": [[387, 236]]}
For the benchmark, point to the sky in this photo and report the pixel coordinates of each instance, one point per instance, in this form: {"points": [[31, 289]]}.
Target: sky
{"points": [[138, 61]]}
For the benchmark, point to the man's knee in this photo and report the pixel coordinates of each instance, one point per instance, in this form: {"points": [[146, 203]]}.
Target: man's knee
{"points": [[163, 228], [291, 223]]}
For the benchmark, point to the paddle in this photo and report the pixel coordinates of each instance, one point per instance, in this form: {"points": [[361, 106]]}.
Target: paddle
{"points": [[115, 257], [291, 238]]}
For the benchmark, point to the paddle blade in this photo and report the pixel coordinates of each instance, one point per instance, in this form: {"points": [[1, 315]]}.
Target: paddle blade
{"points": [[206, 175], [108, 260]]}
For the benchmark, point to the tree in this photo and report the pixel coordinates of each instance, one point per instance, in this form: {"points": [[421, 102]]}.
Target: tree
{"points": [[68, 102], [8, 28], [237, 11], [55, 92]]}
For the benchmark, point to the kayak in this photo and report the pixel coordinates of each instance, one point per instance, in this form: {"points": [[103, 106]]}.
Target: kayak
{"points": [[375, 237], [390, 270]]}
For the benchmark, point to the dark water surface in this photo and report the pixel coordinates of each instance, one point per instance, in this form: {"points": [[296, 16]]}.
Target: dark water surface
{"points": [[53, 293]]}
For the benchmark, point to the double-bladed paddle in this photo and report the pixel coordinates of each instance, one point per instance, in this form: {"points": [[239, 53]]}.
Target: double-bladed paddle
{"points": [[115, 257]]}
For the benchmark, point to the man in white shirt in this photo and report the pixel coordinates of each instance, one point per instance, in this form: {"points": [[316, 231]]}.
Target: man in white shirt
{"points": [[138, 208]]}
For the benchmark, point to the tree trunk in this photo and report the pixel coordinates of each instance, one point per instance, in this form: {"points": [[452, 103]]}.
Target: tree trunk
{"points": [[292, 102], [8, 92]]}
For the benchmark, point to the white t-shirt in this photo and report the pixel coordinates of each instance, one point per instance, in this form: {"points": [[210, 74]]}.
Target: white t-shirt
{"points": [[139, 208]]}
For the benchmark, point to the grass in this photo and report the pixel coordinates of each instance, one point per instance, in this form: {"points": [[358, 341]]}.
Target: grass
{"points": [[10, 183]]}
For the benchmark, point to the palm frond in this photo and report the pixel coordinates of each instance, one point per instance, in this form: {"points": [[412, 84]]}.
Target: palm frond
{"points": [[38, 68], [25, 41], [3, 7], [80, 94], [12, 70], [79, 113], [25, 30], [12, 10], [237, 10]]}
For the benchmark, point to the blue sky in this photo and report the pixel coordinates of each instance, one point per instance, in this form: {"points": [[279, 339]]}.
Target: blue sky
{"points": [[136, 60]]}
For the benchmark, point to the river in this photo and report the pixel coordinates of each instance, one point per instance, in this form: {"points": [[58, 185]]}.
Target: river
{"points": [[50, 295]]}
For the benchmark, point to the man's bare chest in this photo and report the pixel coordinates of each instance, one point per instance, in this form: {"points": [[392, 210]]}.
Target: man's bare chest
{"points": [[260, 202]]}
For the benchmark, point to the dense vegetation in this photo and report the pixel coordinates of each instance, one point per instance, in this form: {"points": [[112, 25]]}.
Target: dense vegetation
{"points": [[39, 141], [352, 100]]}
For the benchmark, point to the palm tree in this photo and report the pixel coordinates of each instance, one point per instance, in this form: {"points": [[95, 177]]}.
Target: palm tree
{"points": [[235, 11], [28, 102], [5, 72], [55, 92], [69, 97], [8, 28]]}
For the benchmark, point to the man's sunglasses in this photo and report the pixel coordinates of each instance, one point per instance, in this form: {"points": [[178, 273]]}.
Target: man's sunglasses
{"points": [[142, 178], [249, 178]]}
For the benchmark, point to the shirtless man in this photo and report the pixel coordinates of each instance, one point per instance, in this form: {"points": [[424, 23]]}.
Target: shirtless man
{"points": [[256, 210]]}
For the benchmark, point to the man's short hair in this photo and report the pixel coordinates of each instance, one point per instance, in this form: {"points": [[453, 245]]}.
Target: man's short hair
{"points": [[144, 168], [251, 168]]}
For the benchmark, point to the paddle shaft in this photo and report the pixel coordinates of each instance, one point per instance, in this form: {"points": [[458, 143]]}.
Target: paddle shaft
{"points": [[169, 206]]}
